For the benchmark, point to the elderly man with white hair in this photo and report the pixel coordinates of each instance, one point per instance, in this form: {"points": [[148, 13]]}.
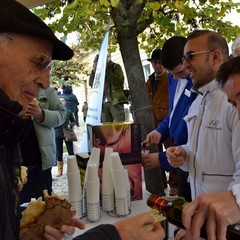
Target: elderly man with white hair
{"points": [[27, 47], [235, 48]]}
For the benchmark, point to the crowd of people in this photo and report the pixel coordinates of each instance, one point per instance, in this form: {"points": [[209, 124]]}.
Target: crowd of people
{"points": [[203, 85]]}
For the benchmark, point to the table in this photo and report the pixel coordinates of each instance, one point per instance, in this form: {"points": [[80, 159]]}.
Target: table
{"points": [[137, 207]]}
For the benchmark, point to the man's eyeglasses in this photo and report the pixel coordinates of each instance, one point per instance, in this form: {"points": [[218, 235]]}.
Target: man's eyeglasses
{"points": [[42, 62], [189, 56]]}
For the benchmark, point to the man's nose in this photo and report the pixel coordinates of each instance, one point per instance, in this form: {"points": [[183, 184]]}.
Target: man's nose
{"points": [[185, 64], [44, 79]]}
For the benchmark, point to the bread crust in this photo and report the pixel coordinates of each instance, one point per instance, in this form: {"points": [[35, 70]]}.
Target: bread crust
{"points": [[54, 211]]}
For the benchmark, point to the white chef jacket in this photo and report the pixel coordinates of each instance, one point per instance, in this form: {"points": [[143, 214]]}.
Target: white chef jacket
{"points": [[213, 147]]}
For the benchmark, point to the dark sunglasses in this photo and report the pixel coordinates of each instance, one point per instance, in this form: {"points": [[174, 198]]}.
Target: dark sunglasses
{"points": [[189, 56]]}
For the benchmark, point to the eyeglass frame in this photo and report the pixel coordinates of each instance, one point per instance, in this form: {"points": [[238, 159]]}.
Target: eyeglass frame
{"points": [[189, 56], [41, 63]]}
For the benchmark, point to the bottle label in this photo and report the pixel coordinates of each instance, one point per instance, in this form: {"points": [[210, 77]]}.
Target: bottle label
{"points": [[160, 204]]}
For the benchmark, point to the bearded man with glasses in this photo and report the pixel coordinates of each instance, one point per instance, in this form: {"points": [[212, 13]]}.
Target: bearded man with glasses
{"points": [[212, 153], [27, 46]]}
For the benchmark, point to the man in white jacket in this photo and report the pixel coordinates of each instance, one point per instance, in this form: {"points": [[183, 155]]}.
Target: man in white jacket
{"points": [[212, 153]]}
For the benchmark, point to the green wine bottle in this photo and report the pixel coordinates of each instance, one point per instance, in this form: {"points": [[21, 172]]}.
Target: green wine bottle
{"points": [[172, 207]]}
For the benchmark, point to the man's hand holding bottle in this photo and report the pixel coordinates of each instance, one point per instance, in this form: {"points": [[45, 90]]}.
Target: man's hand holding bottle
{"points": [[154, 137]]}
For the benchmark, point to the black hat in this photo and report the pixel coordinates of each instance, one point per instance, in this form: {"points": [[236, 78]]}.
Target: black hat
{"points": [[156, 55], [15, 18]]}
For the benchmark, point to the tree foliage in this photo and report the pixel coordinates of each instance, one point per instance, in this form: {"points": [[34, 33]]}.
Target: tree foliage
{"points": [[157, 20], [75, 69]]}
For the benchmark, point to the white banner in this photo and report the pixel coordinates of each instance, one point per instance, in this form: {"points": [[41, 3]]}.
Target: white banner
{"points": [[96, 97]]}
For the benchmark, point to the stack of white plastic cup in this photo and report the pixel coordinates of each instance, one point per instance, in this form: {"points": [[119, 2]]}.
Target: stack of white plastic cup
{"points": [[74, 185], [120, 187], [107, 182], [95, 158], [128, 187], [93, 193], [95, 155]]}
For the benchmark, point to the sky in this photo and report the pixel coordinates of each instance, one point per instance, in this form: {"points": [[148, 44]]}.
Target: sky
{"points": [[234, 17]]}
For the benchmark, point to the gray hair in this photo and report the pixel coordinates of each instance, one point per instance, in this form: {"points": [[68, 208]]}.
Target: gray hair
{"points": [[3, 41], [235, 46]]}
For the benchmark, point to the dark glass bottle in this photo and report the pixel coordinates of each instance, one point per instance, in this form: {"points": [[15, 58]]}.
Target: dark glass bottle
{"points": [[172, 208]]}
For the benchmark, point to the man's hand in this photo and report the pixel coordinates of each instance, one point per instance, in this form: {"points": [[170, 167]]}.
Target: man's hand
{"points": [[55, 234], [130, 228], [150, 160], [218, 210], [34, 111], [176, 156], [152, 138], [182, 234], [134, 228]]}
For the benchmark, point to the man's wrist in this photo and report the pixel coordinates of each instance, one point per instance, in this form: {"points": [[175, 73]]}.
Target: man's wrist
{"points": [[42, 116], [236, 193]]}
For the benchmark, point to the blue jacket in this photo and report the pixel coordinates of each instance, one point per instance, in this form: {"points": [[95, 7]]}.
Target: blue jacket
{"points": [[178, 128], [71, 101]]}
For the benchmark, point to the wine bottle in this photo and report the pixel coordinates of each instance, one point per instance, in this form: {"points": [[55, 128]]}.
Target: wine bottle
{"points": [[172, 207]]}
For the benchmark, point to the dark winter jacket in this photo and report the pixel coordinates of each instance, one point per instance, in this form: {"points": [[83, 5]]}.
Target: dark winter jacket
{"points": [[68, 120], [103, 232], [12, 131], [70, 98]]}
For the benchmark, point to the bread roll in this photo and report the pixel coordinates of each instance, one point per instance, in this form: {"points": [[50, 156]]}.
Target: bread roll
{"points": [[35, 102], [54, 211]]}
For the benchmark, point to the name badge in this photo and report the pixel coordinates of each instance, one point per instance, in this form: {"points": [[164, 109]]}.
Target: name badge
{"points": [[187, 93]]}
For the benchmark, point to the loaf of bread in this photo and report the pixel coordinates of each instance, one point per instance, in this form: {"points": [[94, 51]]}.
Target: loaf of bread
{"points": [[23, 177], [54, 211], [35, 102]]}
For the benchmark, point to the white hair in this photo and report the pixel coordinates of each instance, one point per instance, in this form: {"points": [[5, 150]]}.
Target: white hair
{"points": [[3, 41], [235, 46]]}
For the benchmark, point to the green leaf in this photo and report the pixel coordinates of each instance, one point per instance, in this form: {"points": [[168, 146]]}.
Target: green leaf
{"points": [[165, 21]]}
